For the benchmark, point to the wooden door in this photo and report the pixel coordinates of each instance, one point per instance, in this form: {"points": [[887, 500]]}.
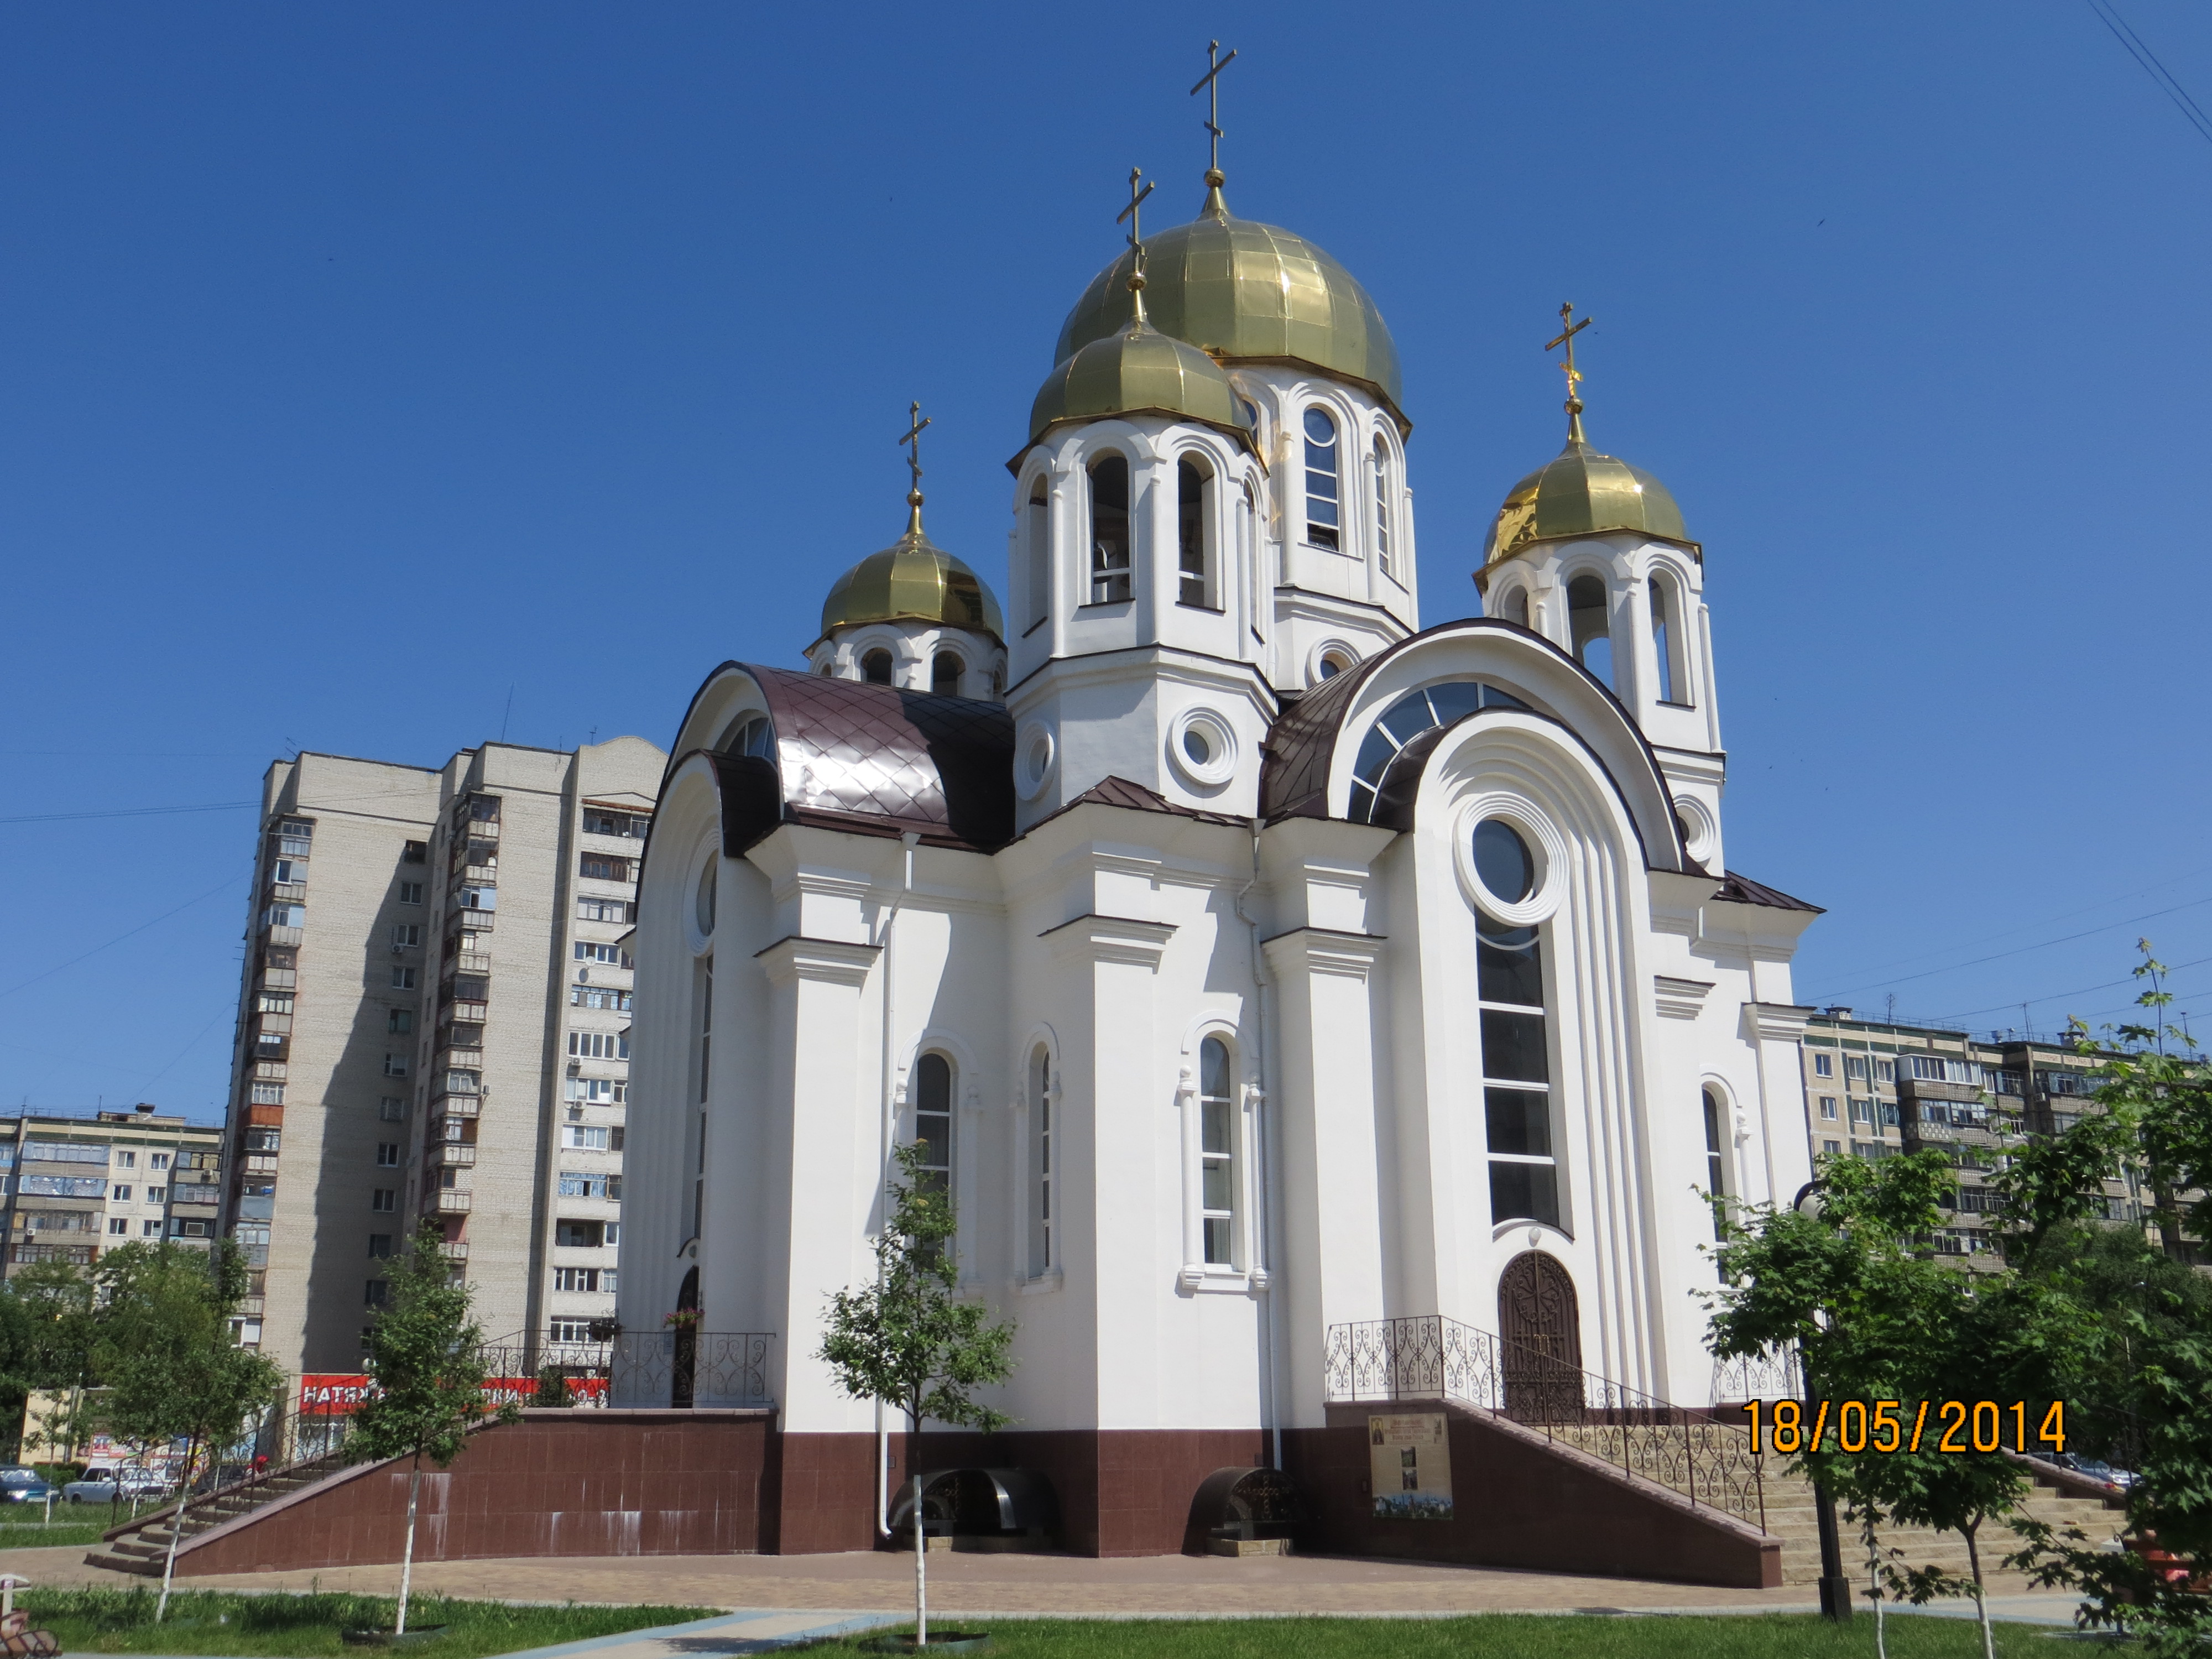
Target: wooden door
{"points": [[1541, 1327]]}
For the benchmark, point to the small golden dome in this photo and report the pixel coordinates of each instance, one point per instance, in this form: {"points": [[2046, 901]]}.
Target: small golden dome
{"points": [[1247, 292], [1139, 370], [913, 580], [1581, 493]]}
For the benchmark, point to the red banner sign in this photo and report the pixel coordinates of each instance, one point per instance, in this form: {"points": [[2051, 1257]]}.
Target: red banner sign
{"points": [[340, 1394]]}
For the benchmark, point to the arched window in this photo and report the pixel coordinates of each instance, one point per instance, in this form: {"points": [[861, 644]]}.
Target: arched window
{"points": [[1590, 626], [1323, 517], [944, 672], [1109, 529], [1331, 665], [1406, 719], [753, 737], [876, 667], [1666, 643], [1041, 1169], [933, 1122], [1040, 531], [1193, 534], [1514, 607], [1516, 1052], [1383, 506], [1716, 1154], [1217, 1155]]}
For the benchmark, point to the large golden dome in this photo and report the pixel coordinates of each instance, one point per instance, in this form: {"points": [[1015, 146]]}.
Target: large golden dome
{"points": [[913, 580], [1247, 292], [1581, 492], [1137, 369]]}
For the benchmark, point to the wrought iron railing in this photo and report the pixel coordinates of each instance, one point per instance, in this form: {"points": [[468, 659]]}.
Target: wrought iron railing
{"points": [[1771, 1374], [640, 1369], [1710, 1461]]}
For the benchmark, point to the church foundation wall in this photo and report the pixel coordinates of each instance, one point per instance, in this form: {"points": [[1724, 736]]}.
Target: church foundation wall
{"points": [[1520, 1503]]}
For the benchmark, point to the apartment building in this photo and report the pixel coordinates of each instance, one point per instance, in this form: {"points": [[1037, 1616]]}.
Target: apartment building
{"points": [[1875, 1089], [433, 1024], [78, 1186]]}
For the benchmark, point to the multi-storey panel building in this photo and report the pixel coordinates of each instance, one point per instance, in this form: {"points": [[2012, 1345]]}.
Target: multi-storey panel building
{"points": [[433, 1024], [78, 1186]]}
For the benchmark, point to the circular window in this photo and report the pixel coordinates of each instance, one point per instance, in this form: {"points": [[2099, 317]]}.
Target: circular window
{"points": [[1034, 753], [1319, 427], [1502, 860], [1202, 746], [1697, 828]]}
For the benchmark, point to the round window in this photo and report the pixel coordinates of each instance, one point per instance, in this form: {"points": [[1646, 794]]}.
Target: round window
{"points": [[1319, 427], [1196, 745], [1201, 746], [1502, 861], [1038, 754]]}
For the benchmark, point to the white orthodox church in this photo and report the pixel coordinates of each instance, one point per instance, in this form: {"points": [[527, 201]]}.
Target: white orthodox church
{"points": [[1253, 959]]}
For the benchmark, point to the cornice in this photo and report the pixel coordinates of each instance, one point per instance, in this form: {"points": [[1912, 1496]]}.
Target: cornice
{"points": [[1680, 999], [827, 960], [1325, 950], [1775, 1022], [1112, 938]]}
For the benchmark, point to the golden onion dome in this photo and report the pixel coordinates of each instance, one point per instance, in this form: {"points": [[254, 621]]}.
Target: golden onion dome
{"points": [[1139, 370], [1247, 293], [1581, 492], [913, 580]]}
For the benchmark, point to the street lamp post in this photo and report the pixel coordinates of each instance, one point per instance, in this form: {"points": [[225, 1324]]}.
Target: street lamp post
{"points": [[1835, 1582]]}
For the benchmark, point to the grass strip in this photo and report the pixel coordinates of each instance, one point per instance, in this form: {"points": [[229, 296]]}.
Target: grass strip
{"points": [[82, 1534], [224, 1623], [1491, 1636]]}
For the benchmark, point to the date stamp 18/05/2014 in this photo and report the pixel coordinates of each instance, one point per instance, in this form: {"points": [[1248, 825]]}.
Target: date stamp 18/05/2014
{"points": [[1791, 1426]]}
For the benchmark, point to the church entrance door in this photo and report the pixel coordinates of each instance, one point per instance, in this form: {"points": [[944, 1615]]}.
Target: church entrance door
{"points": [[683, 1370], [1539, 1326]]}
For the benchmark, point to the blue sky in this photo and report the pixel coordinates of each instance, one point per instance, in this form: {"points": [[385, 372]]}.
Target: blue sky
{"points": [[363, 364]]}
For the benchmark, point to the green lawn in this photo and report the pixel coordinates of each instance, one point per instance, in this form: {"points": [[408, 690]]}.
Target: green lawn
{"points": [[1494, 1636], [67, 1530], [217, 1623]]}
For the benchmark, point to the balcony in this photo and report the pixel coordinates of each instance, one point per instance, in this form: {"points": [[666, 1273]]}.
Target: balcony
{"points": [[452, 1201], [256, 1164], [474, 1013], [467, 962], [283, 935], [456, 1249], [463, 1106], [466, 1060], [183, 1194], [478, 875], [279, 979], [451, 1152], [297, 891]]}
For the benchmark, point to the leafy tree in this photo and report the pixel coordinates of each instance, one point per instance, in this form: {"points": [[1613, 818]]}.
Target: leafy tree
{"points": [[163, 1344], [910, 1341], [1874, 1316], [426, 1378], [2138, 1374]]}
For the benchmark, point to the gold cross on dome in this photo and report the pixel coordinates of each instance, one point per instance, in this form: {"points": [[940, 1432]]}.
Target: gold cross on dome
{"points": [[1133, 213], [1566, 338], [1210, 83], [912, 438]]}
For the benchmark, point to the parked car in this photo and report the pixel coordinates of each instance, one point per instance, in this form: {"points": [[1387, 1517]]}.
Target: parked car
{"points": [[20, 1485], [102, 1486], [2093, 1468]]}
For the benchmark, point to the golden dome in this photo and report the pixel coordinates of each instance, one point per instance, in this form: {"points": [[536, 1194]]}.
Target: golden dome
{"points": [[1581, 493], [1137, 369], [913, 580], [1247, 292]]}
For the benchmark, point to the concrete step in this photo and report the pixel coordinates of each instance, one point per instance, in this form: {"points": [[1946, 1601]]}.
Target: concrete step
{"points": [[1790, 1518], [130, 1563]]}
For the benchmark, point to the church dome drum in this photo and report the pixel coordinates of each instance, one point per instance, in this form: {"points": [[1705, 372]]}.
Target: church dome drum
{"points": [[1247, 292], [1137, 369], [1581, 492]]}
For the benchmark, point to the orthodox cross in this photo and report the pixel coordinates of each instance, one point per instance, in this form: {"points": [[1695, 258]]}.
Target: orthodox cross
{"points": [[1210, 83], [1133, 212], [1571, 328], [913, 440]]}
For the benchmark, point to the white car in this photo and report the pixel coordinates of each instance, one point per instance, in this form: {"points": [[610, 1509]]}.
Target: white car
{"points": [[108, 1485]]}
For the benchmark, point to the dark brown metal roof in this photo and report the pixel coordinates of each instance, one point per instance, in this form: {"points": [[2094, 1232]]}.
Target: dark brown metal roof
{"points": [[875, 760], [1114, 791], [1743, 890]]}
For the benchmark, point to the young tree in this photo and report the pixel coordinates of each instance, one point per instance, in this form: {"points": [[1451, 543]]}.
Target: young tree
{"points": [[1874, 1316], [910, 1341], [174, 1372], [426, 1378]]}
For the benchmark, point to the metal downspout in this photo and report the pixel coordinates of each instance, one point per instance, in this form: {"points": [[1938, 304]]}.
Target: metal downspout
{"points": [[1267, 1229], [887, 1131]]}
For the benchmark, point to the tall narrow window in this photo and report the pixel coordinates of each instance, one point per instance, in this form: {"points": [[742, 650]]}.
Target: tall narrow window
{"points": [[1591, 627], [932, 1119], [1109, 529], [1193, 567], [1515, 609], [1040, 528], [1323, 518], [944, 670], [876, 667], [1383, 506], [1216, 1154], [706, 985], [1041, 1129], [1517, 1101], [1715, 1158], [1661, 642]]}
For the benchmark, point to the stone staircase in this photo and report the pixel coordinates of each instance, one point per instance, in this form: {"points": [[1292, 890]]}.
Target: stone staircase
{"points": [[142, 1546], [1790, 1517]]}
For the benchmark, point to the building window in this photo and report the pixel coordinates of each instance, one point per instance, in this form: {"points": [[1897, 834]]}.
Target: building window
{"points": [[586, 1138], [384, 1200], [1382, 508], [1885, 1071], [156, 1195], [1662, 637], [612, 955], [598, 867], [1833, 1148], [1110, 578], [118, 1226], [876, 667], [1828, 1107], [415, 852], [578, 1235], [596, 1090], [399, 1022], [586, 1280], [403, 979], [1716, 1153], [126, 1160], [594, 910], [1855, 1066], [380, 1246], [150, 1228], [1824, 1066], [1514, 607], [1516, 1102], [1039, 1172], [1589, 627], [1217, 1156], [581, 996], [388, 1154], [1861, 1112], [410, 892], [158, 1161], [577, 1184], [395, 1065], [121, 1192], [378, 1292], [392, 1108], [295, 836], [1194, 523], [285, 915], [407, 936], [944, 670], [1323, 517], [599, 1045], [1040, 529], [932, 1121]]}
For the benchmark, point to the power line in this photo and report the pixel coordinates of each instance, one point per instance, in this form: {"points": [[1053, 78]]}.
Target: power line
{"points": [[2108, 14], [1906, 979], [228, 881], [132, 812]]}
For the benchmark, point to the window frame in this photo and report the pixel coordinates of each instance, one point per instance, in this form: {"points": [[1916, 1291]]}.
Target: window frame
{"points": [[1198, 585], [1331, 537], [1100, 576]]}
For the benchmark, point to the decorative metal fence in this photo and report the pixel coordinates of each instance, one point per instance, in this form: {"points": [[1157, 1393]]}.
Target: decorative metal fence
{"points": [[1710, 1462], [671, 1368]]}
